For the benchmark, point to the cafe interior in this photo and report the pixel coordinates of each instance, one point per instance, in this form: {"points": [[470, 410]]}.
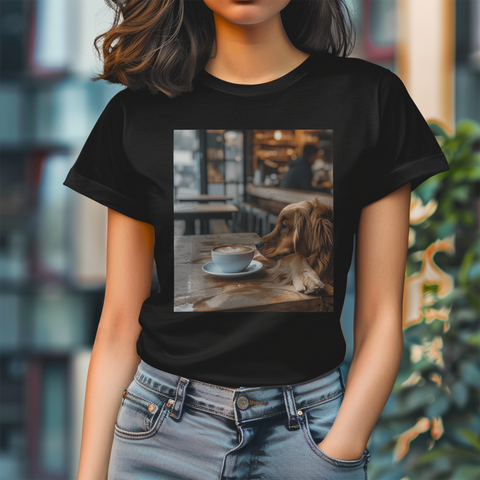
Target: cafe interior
{"points": [[229, 181], [229, 188]]}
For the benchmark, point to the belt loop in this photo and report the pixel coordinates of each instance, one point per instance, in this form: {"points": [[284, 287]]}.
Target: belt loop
{"points": [[179, 398], [342, 378], [368, 454], [290, 407]]}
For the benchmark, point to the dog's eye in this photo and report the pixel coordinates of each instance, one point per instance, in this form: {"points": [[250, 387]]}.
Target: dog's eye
{"points": [[283, 226]]}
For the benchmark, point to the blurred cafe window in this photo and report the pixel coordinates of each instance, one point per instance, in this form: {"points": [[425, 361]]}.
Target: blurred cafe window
{"points": [[224, 153], [186, 165], [51, 277], [209, 162], [379, 30]]}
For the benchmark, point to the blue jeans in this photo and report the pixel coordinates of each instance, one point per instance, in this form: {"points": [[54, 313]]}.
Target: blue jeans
{"points": [[171, 427]]}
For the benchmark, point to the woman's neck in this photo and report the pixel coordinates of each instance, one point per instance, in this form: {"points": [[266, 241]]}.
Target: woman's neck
{"points": [[252, 54]]}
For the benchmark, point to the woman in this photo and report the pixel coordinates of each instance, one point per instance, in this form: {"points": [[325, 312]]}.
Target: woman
{"points": [[244, 395]]}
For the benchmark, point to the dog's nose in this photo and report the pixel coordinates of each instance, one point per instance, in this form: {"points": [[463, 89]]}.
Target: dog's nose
{"points": [[259, 244]]}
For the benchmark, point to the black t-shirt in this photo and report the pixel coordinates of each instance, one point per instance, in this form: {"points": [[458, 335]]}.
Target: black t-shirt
{"points": [[380, 143]]}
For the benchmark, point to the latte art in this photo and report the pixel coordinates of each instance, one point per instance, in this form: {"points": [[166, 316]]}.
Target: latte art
{"points": [[233, 249]]}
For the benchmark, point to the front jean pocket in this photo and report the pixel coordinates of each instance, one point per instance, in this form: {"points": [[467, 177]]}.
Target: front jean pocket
{"points": [[141, 412], [316, 421]]}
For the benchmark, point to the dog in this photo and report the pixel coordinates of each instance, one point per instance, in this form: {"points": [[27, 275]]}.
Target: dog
{"points": [[299, 250]]}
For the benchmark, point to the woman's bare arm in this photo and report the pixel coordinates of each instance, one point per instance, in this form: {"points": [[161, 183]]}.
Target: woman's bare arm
{"points": [[114, 358], [380, 259]]}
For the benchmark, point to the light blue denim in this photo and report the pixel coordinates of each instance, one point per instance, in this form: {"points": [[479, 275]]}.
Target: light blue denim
{"points": [[171, 427]]}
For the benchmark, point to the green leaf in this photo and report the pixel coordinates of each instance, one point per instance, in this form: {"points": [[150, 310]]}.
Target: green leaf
{"points": [[473, 300], [470, 373], [474, 273], [461, 193], [456, 454], [473, 172], [465, 266], [437, 130], [474, 339], [468, 129], [459, 394], [467, 472], [471, 438]]}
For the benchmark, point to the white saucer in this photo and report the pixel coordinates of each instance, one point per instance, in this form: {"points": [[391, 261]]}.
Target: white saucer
{"points": [[213, 269]]}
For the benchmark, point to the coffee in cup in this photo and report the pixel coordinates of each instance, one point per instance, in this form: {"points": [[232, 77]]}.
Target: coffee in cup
{"points": [[233, 258], [233, 249]]}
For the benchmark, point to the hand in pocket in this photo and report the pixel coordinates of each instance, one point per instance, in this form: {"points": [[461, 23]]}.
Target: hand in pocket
{"points": [[339, 452]]}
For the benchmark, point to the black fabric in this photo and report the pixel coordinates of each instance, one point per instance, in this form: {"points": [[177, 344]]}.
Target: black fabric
{"points": [[103, 171], [380, 143], [407, 151]]}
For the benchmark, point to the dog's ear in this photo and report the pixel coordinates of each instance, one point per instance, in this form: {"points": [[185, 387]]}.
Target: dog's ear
{"points": [[326, 234], [321, 238], [329, 212], [301, 226]]}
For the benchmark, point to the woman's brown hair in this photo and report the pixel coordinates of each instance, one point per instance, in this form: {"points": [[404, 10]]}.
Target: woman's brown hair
{"points": [[160, 45]]}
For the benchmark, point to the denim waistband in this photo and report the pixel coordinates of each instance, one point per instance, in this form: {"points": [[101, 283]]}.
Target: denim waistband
{"points": [[242, 404]]}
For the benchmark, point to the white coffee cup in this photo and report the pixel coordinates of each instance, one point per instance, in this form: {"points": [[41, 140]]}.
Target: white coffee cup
{"points": [[233, 258]]}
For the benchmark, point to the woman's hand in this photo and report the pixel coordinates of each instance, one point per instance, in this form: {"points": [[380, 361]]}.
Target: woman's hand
{"points": [[340, 450], [380, 257]]}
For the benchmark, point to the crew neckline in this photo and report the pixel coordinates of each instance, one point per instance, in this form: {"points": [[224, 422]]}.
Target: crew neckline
{"points": [[246, 89]]}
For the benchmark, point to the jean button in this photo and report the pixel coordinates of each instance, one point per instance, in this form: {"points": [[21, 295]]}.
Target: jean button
{"points": [[243, 403]]}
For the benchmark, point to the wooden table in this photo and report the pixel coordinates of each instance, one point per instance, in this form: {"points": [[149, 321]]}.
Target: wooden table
{"points": [[276, 198], [197, 291], [204, 198], [191, 211]]}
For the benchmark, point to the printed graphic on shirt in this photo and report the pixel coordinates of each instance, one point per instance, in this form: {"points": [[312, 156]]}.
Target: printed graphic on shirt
{"points": [[253, 220]]}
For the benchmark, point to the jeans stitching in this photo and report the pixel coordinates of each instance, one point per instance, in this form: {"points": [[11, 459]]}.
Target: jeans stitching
{"points": [[324, 400], [141, 435], [153, 390], [207, 410], [133, 398], [324, 456], [232, 417], [270, 414]]}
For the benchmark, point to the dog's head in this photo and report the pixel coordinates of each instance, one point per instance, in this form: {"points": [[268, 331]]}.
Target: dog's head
{"points": [[304, 227]]}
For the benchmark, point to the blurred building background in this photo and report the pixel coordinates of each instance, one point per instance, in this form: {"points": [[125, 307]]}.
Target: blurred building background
{"points": [[52, 240]]}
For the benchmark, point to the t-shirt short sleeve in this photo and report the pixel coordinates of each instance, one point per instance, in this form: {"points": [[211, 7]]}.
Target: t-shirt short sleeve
{"points": [[102, 171], [407, 150]]}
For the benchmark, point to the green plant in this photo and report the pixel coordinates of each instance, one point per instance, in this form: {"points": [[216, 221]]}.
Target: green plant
{"points": [[430, 426]]}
